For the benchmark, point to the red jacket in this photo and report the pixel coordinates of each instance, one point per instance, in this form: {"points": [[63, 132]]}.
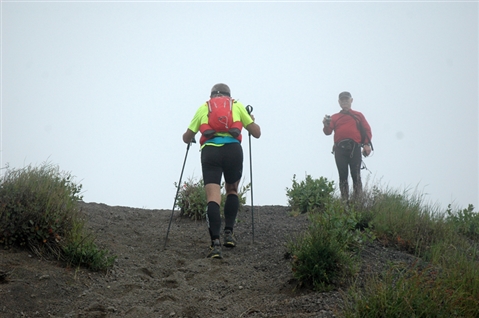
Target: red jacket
{"points": [[345, 127]]}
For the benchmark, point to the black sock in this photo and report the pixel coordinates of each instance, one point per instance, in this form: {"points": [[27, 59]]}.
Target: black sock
{"points": [[214, 220], [231, 210]]}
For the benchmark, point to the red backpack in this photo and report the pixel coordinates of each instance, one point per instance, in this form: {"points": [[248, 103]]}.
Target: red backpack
{"points": [[220, 119]]}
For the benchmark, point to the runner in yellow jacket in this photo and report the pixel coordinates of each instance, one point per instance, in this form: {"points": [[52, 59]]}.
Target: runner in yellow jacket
{"points": [[221, 155]]}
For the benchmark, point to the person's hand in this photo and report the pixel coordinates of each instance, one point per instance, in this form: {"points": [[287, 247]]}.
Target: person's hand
{"points": [[188, 136], [252, 117], [366, 150], [326, 120]]}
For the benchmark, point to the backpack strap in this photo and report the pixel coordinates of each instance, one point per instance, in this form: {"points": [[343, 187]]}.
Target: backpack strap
{"points": [[361, 129], [222, 120]]}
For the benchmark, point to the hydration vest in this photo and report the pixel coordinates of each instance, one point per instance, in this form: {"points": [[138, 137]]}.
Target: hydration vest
{"points": [[220, 119]]}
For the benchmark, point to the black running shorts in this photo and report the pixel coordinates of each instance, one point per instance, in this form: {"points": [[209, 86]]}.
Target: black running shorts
{"points": [[226, 160]]}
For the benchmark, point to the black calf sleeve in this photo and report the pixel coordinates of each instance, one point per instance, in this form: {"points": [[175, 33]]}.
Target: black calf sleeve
{"points": [[214, 220], [231, 210]]}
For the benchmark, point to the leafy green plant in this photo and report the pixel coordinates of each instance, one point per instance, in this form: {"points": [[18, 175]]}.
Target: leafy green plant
{"points": [[241, 195], [36, 206], [39, 210], [192, 198], [309, 195], [464, 221], [87, 253], [327, 253]]}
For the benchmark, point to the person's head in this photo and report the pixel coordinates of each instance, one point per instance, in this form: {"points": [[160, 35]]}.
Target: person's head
{"points": [[220, 89], [345, 100]]}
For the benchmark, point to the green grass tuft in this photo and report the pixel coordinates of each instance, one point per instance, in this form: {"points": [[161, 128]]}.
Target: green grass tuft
{"points": [[39, 211], [443, 283]]}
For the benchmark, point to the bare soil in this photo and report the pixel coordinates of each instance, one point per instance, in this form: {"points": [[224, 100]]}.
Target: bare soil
{"points": [[253, 279]]}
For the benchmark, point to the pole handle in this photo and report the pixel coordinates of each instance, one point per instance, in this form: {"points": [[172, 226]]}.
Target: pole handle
{"points": [[193, 141], [249, 109]]}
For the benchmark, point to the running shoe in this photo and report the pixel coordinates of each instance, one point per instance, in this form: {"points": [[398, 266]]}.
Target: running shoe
{"points": [[229, 239], [215, 250]]}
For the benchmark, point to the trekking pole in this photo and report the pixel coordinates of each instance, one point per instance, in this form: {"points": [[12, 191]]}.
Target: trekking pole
{"points": [[249, 109], [178, 190]]}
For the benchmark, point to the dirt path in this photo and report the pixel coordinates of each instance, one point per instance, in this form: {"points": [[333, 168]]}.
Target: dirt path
{"points": [[252, 279]]}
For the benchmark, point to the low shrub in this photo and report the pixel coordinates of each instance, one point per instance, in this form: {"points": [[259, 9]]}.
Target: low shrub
{"points": [[88, 254], [327, 253], [309, 195], [411, 291], [37, 206], [465, 222], [404, 221], [39, 210], [192, 198], [446, 244]]}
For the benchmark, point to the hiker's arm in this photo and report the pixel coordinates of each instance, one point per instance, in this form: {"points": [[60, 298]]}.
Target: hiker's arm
{"points": [[254, 129], [327, 129], [188, 136], [366, 126], [327, 125]]}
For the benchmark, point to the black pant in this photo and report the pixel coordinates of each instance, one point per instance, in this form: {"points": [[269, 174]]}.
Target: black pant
{"points": [[348, 155]]}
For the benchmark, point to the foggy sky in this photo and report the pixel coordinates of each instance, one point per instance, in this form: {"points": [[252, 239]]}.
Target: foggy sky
{"points": [[106, 90]]}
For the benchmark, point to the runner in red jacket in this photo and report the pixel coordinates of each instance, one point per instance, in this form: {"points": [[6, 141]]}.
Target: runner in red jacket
{"points": [[351, 134]]}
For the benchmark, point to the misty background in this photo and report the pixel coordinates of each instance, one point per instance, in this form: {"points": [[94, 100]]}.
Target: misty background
{"points": [[105, 91]]}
